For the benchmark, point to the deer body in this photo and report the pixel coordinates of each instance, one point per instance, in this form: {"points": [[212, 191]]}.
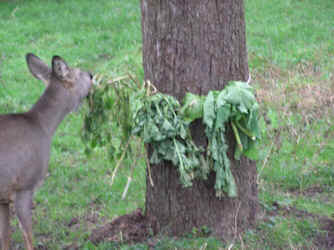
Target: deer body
{"points": [[25, 140]]}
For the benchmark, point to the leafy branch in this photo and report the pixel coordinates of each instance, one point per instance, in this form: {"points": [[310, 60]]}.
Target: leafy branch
{"points": [[161, 121]]}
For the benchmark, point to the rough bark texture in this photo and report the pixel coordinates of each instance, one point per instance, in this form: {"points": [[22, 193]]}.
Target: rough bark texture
{"points": [[196, 46]]}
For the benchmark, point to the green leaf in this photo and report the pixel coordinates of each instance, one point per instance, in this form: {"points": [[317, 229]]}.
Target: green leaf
{"points": [[240, 94], [209, 110], [222, 116], [192, 107], [253, 151]]}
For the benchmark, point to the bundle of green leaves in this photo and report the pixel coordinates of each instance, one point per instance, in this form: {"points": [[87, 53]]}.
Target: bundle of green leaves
{"points": [[161, 121]]}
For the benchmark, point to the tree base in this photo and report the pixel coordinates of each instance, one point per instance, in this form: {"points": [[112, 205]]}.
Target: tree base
{"points": [[181, 209]]}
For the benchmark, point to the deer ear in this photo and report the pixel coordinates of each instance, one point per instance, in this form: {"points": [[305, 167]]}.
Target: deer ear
{"points": [[60, 68], [38, 68]]}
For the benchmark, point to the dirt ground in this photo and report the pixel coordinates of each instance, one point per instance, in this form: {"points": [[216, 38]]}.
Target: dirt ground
{"points": [[129, 228], [135, 227]]}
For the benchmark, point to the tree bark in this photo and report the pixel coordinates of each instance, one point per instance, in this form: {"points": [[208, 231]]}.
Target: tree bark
{"points": [[197, 46]]}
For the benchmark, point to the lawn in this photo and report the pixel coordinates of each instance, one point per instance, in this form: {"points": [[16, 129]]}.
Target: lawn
{"points": [[291, 58]]}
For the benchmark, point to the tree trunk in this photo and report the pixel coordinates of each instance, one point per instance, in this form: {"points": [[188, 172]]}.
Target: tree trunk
{"points": [[197, 46]]}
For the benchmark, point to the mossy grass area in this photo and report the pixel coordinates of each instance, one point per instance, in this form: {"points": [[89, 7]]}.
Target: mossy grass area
{"points": [[291, 59]]}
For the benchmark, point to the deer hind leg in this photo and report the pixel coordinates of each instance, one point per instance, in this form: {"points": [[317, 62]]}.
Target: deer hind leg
{"points": [[4, 226], [23, 205]]}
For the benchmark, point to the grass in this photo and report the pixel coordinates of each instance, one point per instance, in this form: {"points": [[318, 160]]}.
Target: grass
{"points": [[291, 57]]}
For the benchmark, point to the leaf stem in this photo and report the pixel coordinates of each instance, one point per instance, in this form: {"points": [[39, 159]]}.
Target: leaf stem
{"points": [[237, 137], [120, 161], [178, 154], [245, 131]]}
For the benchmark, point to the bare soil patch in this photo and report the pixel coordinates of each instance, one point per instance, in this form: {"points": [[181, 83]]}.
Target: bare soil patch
{"points": [[129, 228]]}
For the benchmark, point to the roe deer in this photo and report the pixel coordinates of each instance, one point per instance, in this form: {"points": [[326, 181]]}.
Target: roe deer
{"points": [[25, 140]]}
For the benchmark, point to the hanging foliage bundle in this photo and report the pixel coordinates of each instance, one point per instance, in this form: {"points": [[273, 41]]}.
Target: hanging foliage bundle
{"points": [[161, 121]]}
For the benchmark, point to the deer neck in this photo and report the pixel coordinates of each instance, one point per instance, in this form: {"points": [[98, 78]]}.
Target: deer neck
{"points": [[51, 108]]}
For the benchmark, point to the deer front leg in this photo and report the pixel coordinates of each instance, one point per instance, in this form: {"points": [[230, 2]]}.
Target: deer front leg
{"points": [[23, 205], [4, 226]]}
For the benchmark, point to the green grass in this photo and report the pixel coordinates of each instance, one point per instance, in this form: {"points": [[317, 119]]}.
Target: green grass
{"points": [[289, 32], [291, 57]]}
